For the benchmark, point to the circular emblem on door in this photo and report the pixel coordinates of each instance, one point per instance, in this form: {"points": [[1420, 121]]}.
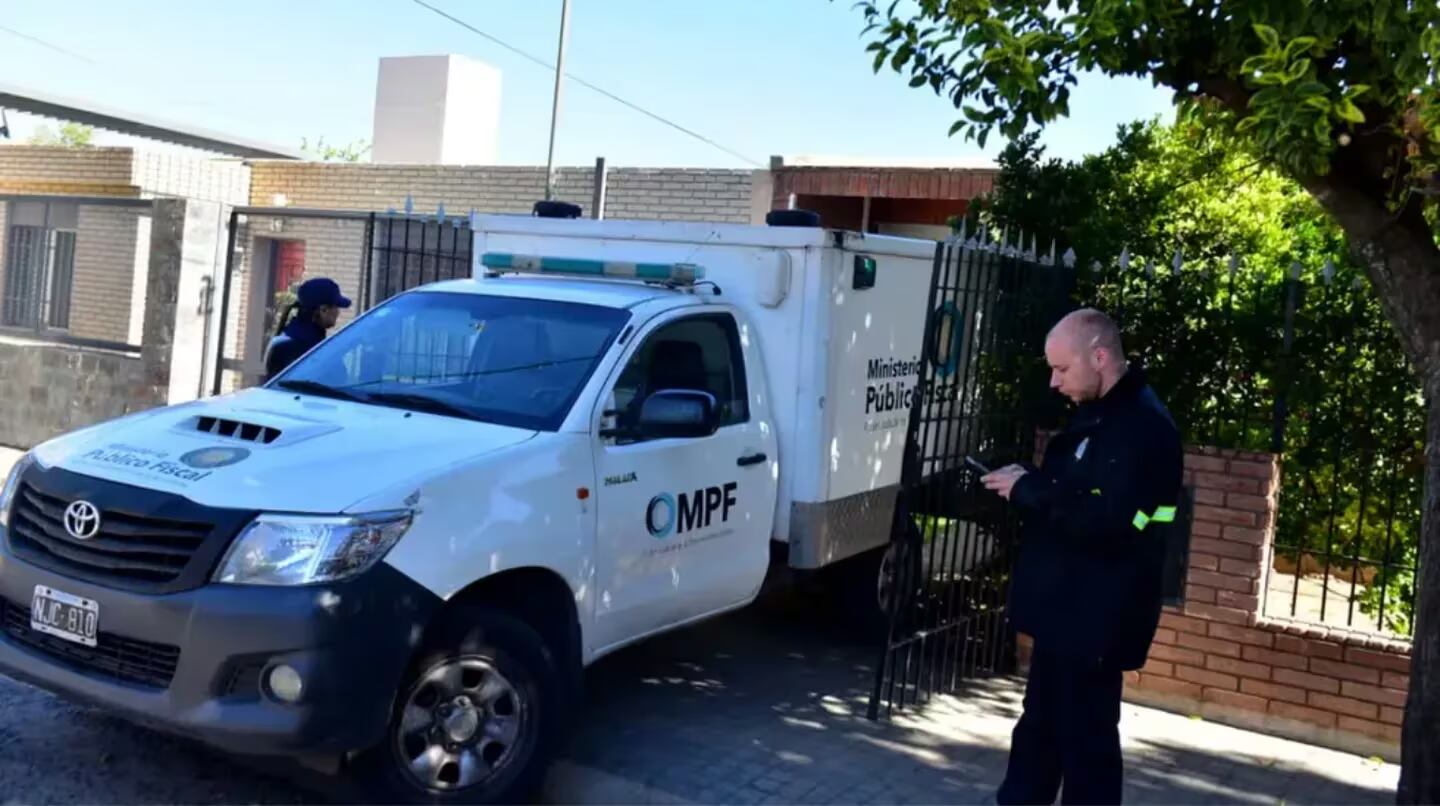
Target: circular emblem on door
{"points": [[660, 516], [82, 520]]}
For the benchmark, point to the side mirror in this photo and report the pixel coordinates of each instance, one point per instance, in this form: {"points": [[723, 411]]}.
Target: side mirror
{"points": [[678, 413]]}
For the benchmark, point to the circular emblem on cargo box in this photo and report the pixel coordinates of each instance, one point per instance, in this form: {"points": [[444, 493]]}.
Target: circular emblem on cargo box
{"points": [[82, 520], [210, 458]]}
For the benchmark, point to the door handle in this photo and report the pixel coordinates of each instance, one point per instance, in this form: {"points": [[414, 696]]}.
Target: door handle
{"points": [[750, 459]]}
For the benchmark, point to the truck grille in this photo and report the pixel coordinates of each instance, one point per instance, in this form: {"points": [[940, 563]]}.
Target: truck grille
{"points": [[125, 659], [127, 547]]}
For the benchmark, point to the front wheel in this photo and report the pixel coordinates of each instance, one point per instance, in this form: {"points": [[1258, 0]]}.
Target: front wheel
{"points": [[476, 720]]}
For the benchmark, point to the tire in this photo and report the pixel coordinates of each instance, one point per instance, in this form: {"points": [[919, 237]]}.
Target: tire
{"points": [[861, 587], [511, 688]]}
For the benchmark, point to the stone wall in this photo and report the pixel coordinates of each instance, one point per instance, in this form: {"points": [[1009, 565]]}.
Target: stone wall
{"points": [[50, 389]]}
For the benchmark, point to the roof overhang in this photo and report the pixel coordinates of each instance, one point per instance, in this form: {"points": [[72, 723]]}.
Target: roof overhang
{"points": [[49, 105]]}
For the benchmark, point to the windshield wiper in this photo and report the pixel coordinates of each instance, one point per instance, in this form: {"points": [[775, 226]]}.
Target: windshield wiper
{"points": [[322, 390], [421, 402]]}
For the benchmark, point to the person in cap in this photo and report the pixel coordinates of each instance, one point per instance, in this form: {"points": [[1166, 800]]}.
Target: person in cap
{"points": [[314, 312], [1087, 587]]}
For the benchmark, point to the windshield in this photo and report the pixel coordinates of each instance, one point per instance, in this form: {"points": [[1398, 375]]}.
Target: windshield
{"points": [[514, 362]]}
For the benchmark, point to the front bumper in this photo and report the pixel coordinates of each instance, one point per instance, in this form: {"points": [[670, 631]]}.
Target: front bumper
{"points": [[351, 643]]}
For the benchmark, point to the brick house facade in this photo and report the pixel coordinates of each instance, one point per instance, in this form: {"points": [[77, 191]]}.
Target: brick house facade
{"points": [[92, 255]]}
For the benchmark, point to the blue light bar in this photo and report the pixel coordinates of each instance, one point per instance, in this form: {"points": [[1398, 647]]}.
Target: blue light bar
{"points": [[677, 273]]}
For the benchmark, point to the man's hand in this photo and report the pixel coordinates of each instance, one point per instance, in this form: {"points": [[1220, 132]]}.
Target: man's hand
{"points": [[1002, 481]]}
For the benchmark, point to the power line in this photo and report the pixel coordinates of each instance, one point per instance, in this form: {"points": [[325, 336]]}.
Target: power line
{"points": [[582, 82], [49, 45]]}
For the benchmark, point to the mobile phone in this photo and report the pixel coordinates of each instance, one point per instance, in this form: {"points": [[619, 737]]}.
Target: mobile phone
{"points": [[977, 464]]}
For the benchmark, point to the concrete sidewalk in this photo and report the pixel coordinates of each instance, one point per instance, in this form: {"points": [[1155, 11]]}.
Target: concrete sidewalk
{"points": [[768, 706]]}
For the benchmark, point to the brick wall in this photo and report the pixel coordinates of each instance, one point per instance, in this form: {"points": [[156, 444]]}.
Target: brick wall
{"points": [[221, 180], [60, 170], [647, 193], [105, 269], [1217, 657]]}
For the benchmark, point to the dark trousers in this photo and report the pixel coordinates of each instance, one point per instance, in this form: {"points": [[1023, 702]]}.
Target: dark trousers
{"points": [[1069, 732]]}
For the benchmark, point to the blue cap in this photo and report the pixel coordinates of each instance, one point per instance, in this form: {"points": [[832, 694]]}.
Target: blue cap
{"points": [[320, 291]]}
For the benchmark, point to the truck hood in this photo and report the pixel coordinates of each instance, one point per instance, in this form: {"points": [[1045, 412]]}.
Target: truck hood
{"points": [[268, 450]]}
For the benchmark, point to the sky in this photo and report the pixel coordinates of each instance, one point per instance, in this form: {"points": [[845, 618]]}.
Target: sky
{"points": [[761, 77]]}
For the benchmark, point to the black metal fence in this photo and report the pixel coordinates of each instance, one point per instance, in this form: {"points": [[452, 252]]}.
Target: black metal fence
{"points": [[410, 251], [1298, 361], [984, 395]]}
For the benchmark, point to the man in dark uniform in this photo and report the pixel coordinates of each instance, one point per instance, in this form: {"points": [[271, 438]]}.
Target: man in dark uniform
{"points": [[316, 309], [1087, 584]]}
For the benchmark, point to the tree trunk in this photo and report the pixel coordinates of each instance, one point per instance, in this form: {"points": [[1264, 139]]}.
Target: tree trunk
{"points": [[1420, 741], [1399, 253]]}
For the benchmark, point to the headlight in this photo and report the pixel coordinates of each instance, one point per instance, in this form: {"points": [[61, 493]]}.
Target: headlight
{"points": [[300, 550], [12, 483]]}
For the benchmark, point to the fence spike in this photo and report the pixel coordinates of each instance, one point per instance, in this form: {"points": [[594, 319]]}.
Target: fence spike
{"points": [[963, 224], [1357, 281], [1125, 259], [1234, 263], [1030, 253], [1295, 270], [1329, 271], [1096, 267], [1069, 258], [409, 204], [440, 213], [1150, 266], [1179, 259], [1050, 259]]}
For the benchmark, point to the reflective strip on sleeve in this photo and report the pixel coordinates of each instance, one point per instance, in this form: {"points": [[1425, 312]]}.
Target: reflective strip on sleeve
{"points": [[1141, 521], [1164, 515]]}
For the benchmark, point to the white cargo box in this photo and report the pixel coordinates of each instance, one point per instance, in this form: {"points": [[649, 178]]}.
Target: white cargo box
{"points": [[841, 353]]}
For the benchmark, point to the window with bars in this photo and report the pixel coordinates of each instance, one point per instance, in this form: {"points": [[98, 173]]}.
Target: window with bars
{"points": [[39, 265]]}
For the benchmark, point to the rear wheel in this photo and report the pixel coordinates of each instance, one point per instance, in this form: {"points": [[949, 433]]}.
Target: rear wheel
{"points": [[866, 586], [476, 720]]}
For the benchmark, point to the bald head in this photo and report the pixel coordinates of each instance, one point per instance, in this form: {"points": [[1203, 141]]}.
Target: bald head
{"points": [[1088, 328], [1085, 355]]}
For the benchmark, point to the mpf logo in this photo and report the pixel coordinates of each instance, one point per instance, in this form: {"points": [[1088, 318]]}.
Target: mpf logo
{"points": [[664, 516]]}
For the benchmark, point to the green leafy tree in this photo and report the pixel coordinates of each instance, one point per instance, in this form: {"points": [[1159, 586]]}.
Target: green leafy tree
{"points": [[70, 135], [1211, 335], [1341, 95], [351, 152]]}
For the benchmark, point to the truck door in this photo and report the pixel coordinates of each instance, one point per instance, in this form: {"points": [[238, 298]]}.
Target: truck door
{"points": [[684, 524]]}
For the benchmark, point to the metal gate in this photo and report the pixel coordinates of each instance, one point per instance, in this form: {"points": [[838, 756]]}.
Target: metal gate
{"points": [[986, 395], [372, 256]]}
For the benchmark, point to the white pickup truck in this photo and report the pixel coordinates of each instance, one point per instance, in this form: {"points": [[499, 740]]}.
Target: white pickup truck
{"points": [[401, 552]]}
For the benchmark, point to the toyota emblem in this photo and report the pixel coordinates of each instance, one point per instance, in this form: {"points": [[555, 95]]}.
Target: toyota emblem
{"points": [[82, 520]]}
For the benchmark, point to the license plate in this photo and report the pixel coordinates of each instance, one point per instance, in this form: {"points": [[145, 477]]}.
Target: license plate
{"points": [[65, 615]]}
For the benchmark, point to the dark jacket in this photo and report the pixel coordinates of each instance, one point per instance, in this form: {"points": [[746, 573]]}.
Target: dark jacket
{"points": [[298, 336], [1096, 516]]}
